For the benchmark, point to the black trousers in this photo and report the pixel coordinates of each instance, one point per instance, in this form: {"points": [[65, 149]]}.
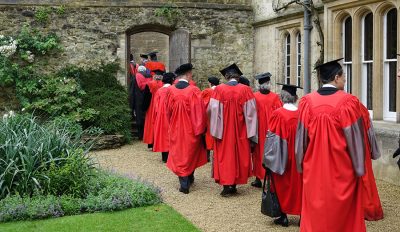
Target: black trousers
{"points": [[186, 181], [164, 156]]}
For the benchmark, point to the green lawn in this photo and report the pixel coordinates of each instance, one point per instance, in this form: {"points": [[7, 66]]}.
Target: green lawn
{"points": [[154, 218]]}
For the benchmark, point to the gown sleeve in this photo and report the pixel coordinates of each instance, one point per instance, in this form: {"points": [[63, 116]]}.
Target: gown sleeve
{"points": [[277, 103], [197, 113], [352, 122], [168, 104], [369, 130], [215, 113], [302, 139], [250, 115], [206, 95], [276, 146]]}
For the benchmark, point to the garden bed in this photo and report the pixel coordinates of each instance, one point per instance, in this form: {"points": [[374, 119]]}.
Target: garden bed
{"points": [[46, 171]]}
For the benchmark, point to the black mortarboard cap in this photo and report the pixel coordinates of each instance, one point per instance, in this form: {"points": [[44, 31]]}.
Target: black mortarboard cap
{"points": [[144, 56], [184, 68], [158, 72], [263, 77], [243, 80], [290, 88], [328, 69], [152, 54], [231, 68], [213, 80], [168, 77]]}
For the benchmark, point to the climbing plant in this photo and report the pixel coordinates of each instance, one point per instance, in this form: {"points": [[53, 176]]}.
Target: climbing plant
{"points": [[169, 11]]}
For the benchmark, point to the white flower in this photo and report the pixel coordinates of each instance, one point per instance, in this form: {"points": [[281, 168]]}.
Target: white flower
{"points": [[31, 58], [5, 116], [23, 109], [11, 113], [9, 48]]}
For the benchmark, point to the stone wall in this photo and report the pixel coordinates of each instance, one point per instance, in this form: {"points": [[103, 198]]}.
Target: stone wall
{"points": [[95, 32], [385, 168]]}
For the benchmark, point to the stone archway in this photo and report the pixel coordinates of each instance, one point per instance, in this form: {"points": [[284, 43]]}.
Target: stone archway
{"points": [[179, 43]]}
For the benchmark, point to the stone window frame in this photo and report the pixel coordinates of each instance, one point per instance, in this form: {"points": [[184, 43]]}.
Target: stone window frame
{"points": [[299, 55], [347, 61], [387, 114], [287, 59], [293, 30], [366, 95], [334, 13]]}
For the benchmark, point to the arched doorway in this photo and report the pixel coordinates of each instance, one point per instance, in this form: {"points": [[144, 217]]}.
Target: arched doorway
{"points": [[179, 47], [173, 46]]}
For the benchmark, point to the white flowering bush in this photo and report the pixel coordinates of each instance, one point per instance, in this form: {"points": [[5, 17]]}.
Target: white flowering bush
{"points": [[8, 46]]}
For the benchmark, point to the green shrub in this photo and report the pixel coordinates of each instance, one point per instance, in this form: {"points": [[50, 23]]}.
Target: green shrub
{"points": [[42, 14], [27, 151], [105, 95], [108, 193], [70, 176]]}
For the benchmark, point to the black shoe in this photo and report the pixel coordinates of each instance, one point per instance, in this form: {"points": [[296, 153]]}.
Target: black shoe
{"points": [[164, 156], [282, 220], [228, 191], [257, 183], [184, 190]]}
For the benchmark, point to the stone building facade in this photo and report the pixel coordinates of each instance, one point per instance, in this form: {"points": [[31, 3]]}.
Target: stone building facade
{"points": [[366, 33], [220, 31]]}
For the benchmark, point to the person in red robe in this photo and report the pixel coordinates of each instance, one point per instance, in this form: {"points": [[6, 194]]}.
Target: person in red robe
{"points": [[161, 123], [267, 101], [330, 153], [148, 106], [233, 124], [187, 117], [279, 155], [206, 95], [153, 64], [372, 204]]}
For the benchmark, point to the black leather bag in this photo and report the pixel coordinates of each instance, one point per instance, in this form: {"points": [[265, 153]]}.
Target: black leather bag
{"points": [[269, 202]]}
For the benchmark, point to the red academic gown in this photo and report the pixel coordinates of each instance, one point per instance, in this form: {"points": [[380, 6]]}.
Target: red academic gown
{"points": [[372, 204], [233, 121], [266, 104], [186, 114], [161, 123], [329, 155], [154, 65], [206, 95], [287, 181], [148, 135]]}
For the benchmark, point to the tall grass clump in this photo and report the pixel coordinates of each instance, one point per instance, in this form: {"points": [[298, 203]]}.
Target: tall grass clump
{"points": [[40, 158]]}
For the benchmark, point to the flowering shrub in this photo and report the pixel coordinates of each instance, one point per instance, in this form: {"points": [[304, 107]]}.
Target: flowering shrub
{"points": [[8, 46], [108, 192]]}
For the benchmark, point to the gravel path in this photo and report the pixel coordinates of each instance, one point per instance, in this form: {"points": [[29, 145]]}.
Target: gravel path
{"points": [[204, 207]]}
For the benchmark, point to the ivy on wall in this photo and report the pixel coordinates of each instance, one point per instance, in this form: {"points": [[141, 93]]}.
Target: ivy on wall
{"points": [[170, 12]]}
